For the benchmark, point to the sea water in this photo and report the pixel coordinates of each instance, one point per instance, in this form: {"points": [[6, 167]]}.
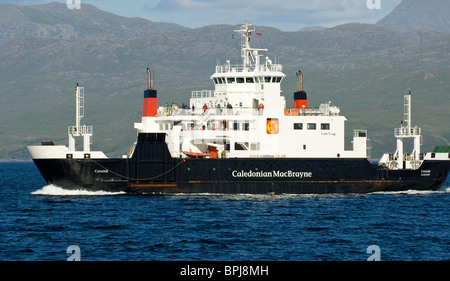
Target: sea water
{"points": [[40, 222]]}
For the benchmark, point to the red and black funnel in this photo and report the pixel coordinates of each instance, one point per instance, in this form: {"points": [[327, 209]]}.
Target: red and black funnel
{"points": [[150, 107], [300, 97]]}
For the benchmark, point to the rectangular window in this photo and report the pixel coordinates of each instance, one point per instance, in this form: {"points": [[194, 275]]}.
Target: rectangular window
{"points": [[298, 126], [241, 146], [254, 146], [246, 126], [325, 126], [311, 126], [249, 80], [240, 80], [236, 126], [231, 80], [267, 79]]}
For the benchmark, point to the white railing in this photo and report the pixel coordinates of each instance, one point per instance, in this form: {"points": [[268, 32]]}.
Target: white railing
{"points": [[359, 133], [226, 68], [81, 131], [399, 132], [211, 112], [312, 111], [202, 94]]}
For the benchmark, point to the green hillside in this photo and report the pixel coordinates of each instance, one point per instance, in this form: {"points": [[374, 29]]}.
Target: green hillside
{"points": [[364, 69]]}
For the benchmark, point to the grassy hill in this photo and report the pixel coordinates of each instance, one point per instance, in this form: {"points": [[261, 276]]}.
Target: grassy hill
{"points": [[364, 69]]}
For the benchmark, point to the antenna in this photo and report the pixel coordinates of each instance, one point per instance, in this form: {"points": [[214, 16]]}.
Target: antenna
{"points": [[248, 53]]}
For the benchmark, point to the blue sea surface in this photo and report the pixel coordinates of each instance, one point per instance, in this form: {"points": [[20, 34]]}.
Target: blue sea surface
{"points": [[38, 222]]}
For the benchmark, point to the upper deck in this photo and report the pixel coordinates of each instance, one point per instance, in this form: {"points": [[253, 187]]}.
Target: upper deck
{"points": [[251, 61], [245, 115]]}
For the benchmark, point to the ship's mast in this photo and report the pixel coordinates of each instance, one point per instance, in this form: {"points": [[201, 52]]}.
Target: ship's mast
{"points": [[406, 131], [80, 130], [79, 108], [249, 54]]}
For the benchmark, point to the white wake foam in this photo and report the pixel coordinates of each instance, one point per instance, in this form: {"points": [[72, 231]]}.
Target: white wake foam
{"points": [[59, 191], [416, 192]]}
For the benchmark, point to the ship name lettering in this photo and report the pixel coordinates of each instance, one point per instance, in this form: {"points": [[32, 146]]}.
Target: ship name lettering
{"points": [[104, 171], [425, 173], [274, 173], [292, 174], [251, 174]]}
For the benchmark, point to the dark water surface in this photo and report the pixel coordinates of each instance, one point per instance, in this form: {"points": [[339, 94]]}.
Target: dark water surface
{"points": [[39, 222]]}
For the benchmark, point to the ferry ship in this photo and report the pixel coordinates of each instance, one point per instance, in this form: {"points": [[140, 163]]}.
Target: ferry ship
{"points": [[241, 138]]}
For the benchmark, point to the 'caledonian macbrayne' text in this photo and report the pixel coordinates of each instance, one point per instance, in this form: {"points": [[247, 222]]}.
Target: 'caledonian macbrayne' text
{"points": [[270, 174]]}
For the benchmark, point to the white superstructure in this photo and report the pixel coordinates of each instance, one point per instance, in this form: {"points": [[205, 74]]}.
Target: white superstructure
{"points": [[246, 116], [50, 151], [400, 159], [80, 130]]}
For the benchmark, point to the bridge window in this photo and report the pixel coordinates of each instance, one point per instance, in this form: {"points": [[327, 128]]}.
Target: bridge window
{"points": [[241, 146], [254, 146], [298, 126], [325, 126], [311, 126], [249, 80], [240, 80], [231, 80], [219, 80]]}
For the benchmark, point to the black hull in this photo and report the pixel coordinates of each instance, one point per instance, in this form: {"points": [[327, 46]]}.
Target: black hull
{"points": [[152, 170], [216, 176]]}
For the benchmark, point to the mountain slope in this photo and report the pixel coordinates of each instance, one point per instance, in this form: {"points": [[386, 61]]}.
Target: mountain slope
{"points": [[54, 20], [364, 69], [421, 15]]}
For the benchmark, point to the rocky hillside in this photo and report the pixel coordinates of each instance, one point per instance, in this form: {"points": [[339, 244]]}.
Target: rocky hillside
{"points": [[420, 15], [364, 69], [54, 20]]}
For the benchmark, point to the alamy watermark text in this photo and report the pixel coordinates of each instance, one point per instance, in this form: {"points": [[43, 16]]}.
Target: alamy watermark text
{"points": [[374, 4], [73, 4]]}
